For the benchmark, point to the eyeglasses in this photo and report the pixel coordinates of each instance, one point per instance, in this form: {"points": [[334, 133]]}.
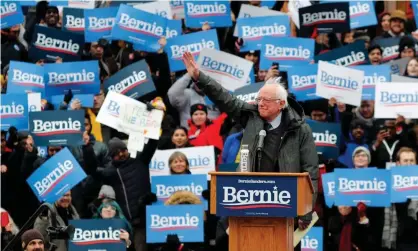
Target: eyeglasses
{"points": [[265, 100]]}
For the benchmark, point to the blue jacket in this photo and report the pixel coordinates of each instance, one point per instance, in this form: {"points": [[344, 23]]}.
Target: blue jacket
{"points": [[231, 147]]}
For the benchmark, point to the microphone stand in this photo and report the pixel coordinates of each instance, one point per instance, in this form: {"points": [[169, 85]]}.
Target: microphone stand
{"points": [[259, 154], [29, 223]]}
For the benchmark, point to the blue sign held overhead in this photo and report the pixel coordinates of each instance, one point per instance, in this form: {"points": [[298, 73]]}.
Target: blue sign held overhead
{"points": [[253, 29], [390, 47], [248, 93], [49, 43], [302, 82], [133, 81], [370, 186], [193, 43], [25, 78], [73, 20], [99, 23], [313, 240], [288, 52], [328, 185], [349, 55], [184, 220], [173, 28], [56, 176], [80, 77], [327, 138], [57, 127], [84, 238], [10, 14], [139, 27], [256, 196], [165, 186], [215, 13], [404, 183], [14, 111], [362, 14], [373, 74]]}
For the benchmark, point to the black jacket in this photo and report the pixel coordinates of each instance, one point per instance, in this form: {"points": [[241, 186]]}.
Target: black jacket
{"points": [[130, 180]]}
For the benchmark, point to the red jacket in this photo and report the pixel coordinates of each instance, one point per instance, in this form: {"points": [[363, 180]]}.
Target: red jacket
{"points": [[209, 134]]}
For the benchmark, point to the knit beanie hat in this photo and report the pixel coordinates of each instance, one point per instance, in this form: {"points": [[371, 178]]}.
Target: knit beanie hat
{"points": [[107, 192], [198, 107], [406, 42], [362, 149], [115, 145], [30, 235]]}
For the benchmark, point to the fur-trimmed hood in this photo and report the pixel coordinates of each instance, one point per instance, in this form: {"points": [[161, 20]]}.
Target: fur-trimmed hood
{"points": [[183, 197]]}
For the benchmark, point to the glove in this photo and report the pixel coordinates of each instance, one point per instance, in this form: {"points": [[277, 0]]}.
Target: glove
{"points": [[361, 209], [68, 97], [172, 243], [147, 199], [206, 194], [13, 137]]}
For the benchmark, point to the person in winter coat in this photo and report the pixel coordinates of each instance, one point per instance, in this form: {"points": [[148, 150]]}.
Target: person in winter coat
{"points": [[65, 212], [179, 139], [289, 145], [11, 47], [129, 177], [179, 164], [354, 139], [350, 230], [32, 240], [361, 157], [203, 131], [112, 210], [182, 98]]}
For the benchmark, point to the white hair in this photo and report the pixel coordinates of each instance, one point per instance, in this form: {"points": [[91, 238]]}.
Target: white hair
{"points": [[281, 92]]}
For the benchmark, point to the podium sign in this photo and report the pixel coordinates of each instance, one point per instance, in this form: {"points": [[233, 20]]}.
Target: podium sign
{"points": [[261, 196]]}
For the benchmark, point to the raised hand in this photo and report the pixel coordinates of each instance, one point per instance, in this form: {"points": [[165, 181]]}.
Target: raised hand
{"points": [[191, 66]]}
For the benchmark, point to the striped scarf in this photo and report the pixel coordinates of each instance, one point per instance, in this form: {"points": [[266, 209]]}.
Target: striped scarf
{"points": [[390, 227]]}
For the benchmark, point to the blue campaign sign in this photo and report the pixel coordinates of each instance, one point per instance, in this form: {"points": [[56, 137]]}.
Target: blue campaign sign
{"points": [[248, 93], [302, 82], [313, 240], [415, 10], [404, 183], [215, 13], [256, 196], [184, 220], [327, 18], [390, 47], [14, 111], [253, 29], [328, 185], [56, 176], [42, 151], [165, 186], [49, 43], [79, 77], [57, 127], [86, 100], [372, 75], [97, 235], [139, 27], [133, 81], [349, 55], [99, 23], [173, 28], [25, 78], [362, 14], [327, 138], [193, 43], [371, 186], [73, 20], [288, 52], [10, 14]]}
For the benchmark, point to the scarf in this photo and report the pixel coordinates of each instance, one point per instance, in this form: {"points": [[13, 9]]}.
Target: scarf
{"points": [[390, 227], [368, 122], [65, 214], [345, 237], [413, 209]]}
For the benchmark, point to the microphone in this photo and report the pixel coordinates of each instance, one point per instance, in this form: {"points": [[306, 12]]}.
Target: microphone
{"points": [[260, 144]]}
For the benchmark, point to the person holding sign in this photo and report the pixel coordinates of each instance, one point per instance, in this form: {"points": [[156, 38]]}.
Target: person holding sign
{"points": [[178, 163], [289, 145]]}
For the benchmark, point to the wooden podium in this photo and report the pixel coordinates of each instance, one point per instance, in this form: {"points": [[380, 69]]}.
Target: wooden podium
{"points": [[262, 233]]}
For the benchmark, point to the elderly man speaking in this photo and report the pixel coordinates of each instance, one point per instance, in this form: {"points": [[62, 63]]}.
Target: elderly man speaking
{"points": [[288, 146]]}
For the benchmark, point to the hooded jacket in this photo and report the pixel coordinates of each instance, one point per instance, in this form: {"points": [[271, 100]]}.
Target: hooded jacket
{"points": [[297, 150], [210, 133]]}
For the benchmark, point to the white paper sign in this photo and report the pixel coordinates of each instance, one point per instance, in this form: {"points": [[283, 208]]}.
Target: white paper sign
{"points": [[34, 102], [81, 4], [230, 71], [294, 6], [126, 115], [253, 11], [201, 160], [161, 8], [396, 78], [177, 9], [339, 82], [135, 143], [393, 99]]}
